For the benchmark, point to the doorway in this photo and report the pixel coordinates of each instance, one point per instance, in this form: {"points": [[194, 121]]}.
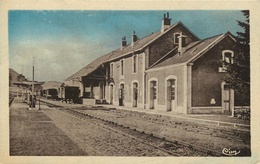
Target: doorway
{"points": [[153, 94], [135, 94], [101, 86], [171, 94], [227, 99], [111, 93], [121, 95]]}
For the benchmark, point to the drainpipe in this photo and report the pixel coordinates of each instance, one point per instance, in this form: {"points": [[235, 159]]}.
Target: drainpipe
{"points": [[144, 89], [231, 102], [144, 78], [189, 88]]}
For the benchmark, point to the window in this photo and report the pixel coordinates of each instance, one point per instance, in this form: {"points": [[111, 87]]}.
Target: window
{"points": [[176, 39], [172, 89], [122, 67], [88, 91], [134, 64], [153, 89], [111, 69], [227, 58]]}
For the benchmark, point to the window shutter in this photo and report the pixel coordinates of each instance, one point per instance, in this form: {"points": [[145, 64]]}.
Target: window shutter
{"points": [[168, 93], [151, 93]]}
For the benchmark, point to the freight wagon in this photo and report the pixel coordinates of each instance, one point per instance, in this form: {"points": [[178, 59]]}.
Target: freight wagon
{"points": [[69, 94], [51, 93]]}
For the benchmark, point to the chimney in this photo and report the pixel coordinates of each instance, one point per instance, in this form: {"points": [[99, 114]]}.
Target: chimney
{"points": [[182, 43], [134, 39], [166, 22], [123, 44]]}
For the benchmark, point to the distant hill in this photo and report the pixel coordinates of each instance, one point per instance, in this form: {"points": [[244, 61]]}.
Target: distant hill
{"points": [[15, 77]]}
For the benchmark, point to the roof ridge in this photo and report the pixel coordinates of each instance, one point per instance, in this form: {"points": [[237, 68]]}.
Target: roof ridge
{"points": [[217, 37], [168, 29], [200, 41], [189, 30], [149, 35], [202, 46], [212, 37], [151, 41], [53, 81]]}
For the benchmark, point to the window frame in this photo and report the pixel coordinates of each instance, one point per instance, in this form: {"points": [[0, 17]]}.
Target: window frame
{"points": [[224, 65], [155, 88], [231, 58], [134, 63], [173, 88], [176, 40], [122, 68], [112, 69]]}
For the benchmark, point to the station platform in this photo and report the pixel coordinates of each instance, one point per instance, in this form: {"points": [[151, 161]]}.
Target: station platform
{"points": [[208, 118], [33, 133]]}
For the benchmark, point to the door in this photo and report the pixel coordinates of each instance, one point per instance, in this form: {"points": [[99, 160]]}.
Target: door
{"points": [[153, 94], [227, 100], [101, 87], [121, 95], [111, 94], [135, 94], [171, 94]]}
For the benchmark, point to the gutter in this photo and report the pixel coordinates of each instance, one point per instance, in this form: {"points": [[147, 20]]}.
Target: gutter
{"points": [[163, 57], [165, 67], [84, 75]]}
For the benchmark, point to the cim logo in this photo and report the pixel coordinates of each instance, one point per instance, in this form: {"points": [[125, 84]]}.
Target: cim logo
{"points": [[230, 152]]}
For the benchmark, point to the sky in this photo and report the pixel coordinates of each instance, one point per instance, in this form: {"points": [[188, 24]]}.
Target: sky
{"points": [[63, 41]]}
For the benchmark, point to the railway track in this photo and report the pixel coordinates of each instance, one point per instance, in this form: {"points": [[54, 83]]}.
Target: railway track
{"points": [[168, 145], [11, 99], [119, 129], [172, 147], [241, 135]]}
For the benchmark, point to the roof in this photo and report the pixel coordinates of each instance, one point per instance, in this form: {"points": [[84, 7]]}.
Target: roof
{"points": [[51, 85], [119, 53], [112, 55], [16, 76], [28, 83], [13, 71], [138, 45], [191, 52], [90, 67], [144, 42]]}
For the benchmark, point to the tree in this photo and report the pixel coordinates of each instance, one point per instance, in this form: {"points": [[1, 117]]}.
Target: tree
{"points": [[238, 74]]}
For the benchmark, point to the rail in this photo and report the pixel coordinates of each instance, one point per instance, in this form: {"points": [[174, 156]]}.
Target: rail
{"points": [[11, 101]]}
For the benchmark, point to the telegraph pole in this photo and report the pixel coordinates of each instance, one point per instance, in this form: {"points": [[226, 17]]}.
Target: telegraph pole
{"points": [[32, 106], [33, 78]]}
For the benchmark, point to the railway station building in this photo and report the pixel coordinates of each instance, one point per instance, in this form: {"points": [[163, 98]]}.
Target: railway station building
{"points": [[170, 70]]}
